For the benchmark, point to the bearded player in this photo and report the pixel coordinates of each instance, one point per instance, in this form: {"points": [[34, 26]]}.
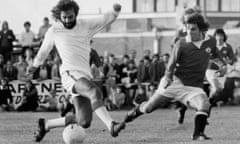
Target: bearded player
{"points": [[71, 37]]}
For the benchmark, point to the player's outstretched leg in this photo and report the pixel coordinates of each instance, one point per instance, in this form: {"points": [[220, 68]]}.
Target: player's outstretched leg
{"points": [[149, 106], [92, 91], [133, 114]]}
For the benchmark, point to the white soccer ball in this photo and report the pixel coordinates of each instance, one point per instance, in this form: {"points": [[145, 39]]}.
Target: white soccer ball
{"points": [[73, 134]]}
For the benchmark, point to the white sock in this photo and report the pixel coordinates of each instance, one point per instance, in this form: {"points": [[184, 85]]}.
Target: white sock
{"points": [[104, 115], [54, 123]]}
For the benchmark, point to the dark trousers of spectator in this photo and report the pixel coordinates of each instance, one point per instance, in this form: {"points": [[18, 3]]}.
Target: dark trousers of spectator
{"points": [[27, 107], [4, 107]]}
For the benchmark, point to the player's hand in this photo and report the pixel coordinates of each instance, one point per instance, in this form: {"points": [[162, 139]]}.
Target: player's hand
{"points": [[117, 7], [31, 70], [165, 82]]}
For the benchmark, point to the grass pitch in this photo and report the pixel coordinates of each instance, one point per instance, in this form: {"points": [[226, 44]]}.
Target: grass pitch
{"points": [[159, 127]]}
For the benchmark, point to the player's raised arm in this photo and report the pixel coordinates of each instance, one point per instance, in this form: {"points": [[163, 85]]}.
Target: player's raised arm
{"points": [[95, 25], [43, 52]]}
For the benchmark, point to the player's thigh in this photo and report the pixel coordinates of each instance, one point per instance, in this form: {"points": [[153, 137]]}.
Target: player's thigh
{"points": [[87, 88], [83, 110], [157, 101], [199, 102]]}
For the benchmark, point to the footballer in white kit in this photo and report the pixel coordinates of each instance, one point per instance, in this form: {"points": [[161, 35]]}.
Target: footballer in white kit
{"points": [[72, 40]]}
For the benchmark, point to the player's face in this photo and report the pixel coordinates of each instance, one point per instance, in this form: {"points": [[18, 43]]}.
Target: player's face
{"points": [[220, 39], [193, 32], [68, 18]]}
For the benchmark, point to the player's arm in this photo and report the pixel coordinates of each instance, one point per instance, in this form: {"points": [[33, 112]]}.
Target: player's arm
{"points": [[95, 25], [172, 63], [43, 52]]}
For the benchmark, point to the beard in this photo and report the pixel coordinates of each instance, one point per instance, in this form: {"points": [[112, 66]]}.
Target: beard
{"points": [[69, 25]]}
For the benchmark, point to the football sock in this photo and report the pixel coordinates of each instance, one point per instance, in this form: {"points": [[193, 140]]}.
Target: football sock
{"points": [[54, 123], [200, 124], [104, 115]]}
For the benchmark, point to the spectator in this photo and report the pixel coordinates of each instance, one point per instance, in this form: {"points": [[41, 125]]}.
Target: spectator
{"points": [[27, 37], [224, 47], [30, 98], [117, 97], [29, 55], [140, 96], [157, 69], [6, 41], [21, 66], [130, 82], [43, 29], [123, 66], [9, 71], [2, 62], [165, 58], [231, 82], [43, 72], [6, 100], [133, 55], [144, 70], [49, 103], [151, 90], [55, 73], [94, 57], [66, 106]]}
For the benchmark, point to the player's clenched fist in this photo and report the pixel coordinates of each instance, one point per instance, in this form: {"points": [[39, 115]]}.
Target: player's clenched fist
{"points": [[117, 7]]}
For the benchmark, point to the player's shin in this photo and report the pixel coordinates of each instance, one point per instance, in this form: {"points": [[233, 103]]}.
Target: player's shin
{"points": [[54, 123], [104, 115], [200, 123]]}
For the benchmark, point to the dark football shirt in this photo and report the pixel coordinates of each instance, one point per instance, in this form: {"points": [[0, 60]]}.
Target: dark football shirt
{"points": [[189, 62]]}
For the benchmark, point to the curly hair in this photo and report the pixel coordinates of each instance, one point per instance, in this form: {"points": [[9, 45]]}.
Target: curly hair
{"points": [[199, 20], [64, 5]]}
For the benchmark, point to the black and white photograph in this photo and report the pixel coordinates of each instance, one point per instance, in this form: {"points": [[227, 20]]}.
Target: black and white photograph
{"points": [[119, 71]]}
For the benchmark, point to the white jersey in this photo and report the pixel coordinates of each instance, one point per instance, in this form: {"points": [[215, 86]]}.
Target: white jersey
{"points": [[73, 45]]}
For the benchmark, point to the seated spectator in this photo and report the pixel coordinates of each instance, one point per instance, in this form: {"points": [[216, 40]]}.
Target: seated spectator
{"points": [[151, 90], [117, 97], [43, 72], [55, 73], [140, 96], [66, 106], [21, 66], [49, 103], [6, 99], [9, 71], [30, 98], [130, 82]]}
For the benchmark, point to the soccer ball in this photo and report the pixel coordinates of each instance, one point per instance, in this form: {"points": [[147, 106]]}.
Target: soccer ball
{"points": [[73, 134]]}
